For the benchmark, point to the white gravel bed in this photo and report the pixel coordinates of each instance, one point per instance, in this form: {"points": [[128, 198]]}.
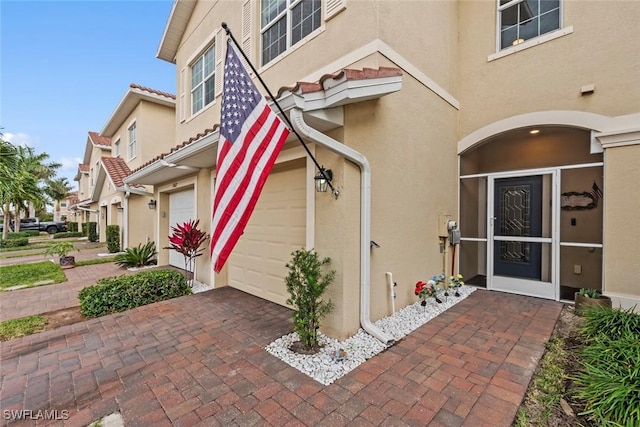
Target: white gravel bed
{"points": [[323, 367]]}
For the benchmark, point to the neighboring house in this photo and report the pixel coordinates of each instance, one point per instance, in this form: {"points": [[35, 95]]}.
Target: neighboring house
{"points": [[142, 125], [65, 213], [425, 112]]}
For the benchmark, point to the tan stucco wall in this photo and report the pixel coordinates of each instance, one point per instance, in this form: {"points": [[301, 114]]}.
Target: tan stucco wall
{"points": [[622, 229], [549, 76], [413, 168], [374, 20], [155, 132], [141, 224]]}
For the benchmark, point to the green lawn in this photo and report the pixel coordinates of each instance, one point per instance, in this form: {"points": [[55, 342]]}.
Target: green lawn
{"points": [[19, 327], [31, 274]]}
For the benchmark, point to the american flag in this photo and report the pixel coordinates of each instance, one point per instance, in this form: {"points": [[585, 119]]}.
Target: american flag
{"points": [[595, 191], [251, 136]]}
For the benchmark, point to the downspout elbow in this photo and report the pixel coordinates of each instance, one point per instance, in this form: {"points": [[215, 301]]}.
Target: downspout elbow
{"points": [[297, 119]]}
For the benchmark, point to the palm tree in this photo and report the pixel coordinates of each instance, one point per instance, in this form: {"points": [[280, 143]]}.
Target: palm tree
{"points": [[8, 162], [57, 189], [23, 182]]}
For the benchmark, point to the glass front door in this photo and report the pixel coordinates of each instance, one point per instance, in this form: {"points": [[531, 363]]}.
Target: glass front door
{"points": [[521, 233]]}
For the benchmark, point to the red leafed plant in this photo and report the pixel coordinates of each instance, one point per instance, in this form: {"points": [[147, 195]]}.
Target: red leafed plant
{"points": [[187, 240]]}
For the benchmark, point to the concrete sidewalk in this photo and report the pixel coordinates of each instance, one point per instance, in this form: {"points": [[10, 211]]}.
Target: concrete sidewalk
{"points": [[199, 360]]}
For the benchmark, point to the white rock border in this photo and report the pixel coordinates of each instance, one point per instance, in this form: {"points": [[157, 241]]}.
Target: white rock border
{"points": [[323, 368]]}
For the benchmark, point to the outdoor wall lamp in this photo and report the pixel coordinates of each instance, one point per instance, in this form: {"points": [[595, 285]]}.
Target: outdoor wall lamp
{"points": [[322, 180], [152, 204]]}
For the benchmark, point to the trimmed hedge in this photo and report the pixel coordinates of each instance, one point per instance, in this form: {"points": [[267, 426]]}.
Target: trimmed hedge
{"points": [[14, 243], [113, 238], [73, 227], [68, 234], [93, 231], [116, 294], [20, 234]]}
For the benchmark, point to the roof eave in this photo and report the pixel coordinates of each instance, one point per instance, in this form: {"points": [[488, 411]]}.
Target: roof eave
{"points": [[128, 103], [174, 30]]}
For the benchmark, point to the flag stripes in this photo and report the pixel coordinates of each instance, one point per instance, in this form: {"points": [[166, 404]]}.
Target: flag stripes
{"points": [[251, 137]]}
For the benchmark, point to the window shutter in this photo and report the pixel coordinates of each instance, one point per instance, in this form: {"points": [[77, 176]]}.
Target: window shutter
{"points": [[333, 7], [247, 30], [219, 41], [181, 89]]}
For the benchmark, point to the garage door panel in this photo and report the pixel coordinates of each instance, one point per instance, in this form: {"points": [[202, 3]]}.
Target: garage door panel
{"points": [[181, 210], [276, 228]]}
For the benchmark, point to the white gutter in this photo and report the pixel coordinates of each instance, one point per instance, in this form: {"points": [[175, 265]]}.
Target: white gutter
{"points": [[348, 153]]}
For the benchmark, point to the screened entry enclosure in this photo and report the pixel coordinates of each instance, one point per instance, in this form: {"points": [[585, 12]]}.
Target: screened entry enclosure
{"points": [[530, 215]]}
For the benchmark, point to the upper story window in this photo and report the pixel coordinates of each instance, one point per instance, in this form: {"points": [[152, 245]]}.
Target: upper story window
{"points": [[203, 80], [116, 149], [521, 20], [283, 23], [132, 141]]}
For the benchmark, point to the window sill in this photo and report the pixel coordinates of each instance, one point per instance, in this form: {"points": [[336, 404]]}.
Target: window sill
{"points": [[531, 43], [201, 111], [315, 33]]}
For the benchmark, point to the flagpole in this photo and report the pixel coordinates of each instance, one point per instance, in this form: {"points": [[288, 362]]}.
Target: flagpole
{"points": [[335, 192]]}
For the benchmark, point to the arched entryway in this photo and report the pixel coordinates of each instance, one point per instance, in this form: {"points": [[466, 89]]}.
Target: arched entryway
{"points": [[531, 211]]}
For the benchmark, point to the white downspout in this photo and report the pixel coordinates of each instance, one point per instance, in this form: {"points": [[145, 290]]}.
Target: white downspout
{"points": [[125, 217], [365, 216]]}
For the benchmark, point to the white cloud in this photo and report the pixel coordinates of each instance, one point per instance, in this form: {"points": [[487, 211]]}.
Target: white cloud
{"points": [[69, 163], [22, 139]]}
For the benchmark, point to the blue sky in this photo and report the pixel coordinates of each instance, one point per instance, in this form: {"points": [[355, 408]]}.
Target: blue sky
{"points": [[65, 66]]}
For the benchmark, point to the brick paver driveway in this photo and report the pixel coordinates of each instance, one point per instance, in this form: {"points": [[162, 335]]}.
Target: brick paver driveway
{"points": [[199, 360]]}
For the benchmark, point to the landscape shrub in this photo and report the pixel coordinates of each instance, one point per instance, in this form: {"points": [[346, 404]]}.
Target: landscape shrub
{"points": [[84, 228], [92, 232], [608, 381], [73, 227], [14, 243], [116, 294], [140, 256], [67, 234], [113, 238], [20, 234], [306, 283]]}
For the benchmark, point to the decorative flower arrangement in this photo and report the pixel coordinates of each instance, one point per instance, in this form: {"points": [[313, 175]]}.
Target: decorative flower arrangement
{"points": [[427, 290], [456, 282]]}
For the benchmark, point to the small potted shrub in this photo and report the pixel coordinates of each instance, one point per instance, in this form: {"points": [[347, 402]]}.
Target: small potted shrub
{"points": [[587, 298], [62, 249]]}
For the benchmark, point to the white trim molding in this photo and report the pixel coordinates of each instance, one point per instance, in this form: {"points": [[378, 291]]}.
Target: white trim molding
{"points": [[531, 43], [378, 46], [619, 138], [624, 301], [579, 119]]}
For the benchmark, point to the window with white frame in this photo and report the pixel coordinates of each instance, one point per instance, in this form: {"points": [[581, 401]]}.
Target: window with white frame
{"points": [[203, 80], [521, 20], [132, 140], [116, 149], [283, 23]]}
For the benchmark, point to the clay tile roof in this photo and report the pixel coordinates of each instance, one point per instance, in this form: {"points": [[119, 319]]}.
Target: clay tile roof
{"points": [[83, 167], [178, 147], [99, 140], [157, 92], [117, 170], [349, 74]]}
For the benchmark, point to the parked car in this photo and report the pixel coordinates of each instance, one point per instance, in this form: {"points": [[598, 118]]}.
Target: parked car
{"points": [[50, 227]]}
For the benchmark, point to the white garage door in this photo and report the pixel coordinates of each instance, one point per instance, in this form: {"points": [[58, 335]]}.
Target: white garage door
{"points": [[181, 210], [277, 227]]}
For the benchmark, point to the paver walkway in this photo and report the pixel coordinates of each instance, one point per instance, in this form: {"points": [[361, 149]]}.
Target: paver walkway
{"points": [[199, 360], [43, 299]]}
